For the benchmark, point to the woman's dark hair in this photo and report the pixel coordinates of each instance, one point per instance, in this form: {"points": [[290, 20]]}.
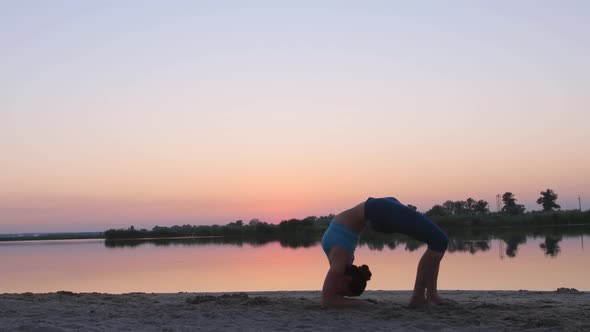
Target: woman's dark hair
{"points": [[360, 275]]}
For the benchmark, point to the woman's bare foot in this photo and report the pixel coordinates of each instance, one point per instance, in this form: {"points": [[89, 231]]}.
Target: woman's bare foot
{"points": [[418, 302], [435, 299]]}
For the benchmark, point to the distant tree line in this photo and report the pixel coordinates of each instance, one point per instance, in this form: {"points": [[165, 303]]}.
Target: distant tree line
{"points": [[467, 207], [467, 213], [548, 200], [286, 229]]}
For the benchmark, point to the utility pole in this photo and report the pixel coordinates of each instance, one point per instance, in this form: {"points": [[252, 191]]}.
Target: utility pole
{"points": [[580, 203], [498, 207]]}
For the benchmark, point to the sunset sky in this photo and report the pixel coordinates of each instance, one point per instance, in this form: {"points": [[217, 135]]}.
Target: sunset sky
{"points": [[115, 113]]}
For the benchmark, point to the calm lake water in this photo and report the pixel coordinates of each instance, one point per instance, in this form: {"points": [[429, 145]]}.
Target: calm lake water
{"points": [[543, 260]]}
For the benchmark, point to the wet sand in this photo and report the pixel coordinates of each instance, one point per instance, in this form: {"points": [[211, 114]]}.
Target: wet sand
{"points": [[566, 310]]}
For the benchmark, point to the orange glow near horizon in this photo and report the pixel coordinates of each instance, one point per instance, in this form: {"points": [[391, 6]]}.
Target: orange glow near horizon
{"points": [[271, 201]]}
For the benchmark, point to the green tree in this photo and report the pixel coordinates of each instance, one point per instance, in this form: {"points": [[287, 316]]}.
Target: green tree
{"points": [[548, 200], [437, 210], [412, 207], [510, 205], [455, 207], [460, 207], [449, 206], [234, 226], [470, 205], [481, 207]]}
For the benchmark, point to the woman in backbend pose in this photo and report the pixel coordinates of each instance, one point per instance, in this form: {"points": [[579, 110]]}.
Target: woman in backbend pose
{"points": [[386, 215]]}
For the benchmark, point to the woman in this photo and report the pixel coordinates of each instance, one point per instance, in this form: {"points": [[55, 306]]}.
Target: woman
{"points": [[386, 215]]}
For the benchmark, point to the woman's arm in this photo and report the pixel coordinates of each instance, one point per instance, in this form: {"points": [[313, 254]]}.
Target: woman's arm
{"points": [[335, 283]]}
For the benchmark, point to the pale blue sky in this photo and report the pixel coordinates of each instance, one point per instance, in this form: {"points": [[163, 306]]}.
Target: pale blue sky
{"points": [[111, 101]]}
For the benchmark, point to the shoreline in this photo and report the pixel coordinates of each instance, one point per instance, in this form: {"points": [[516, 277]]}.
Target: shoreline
{"points": [[564, 309]]}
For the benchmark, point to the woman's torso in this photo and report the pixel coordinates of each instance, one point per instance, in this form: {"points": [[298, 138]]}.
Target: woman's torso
{"points": [[353, 219]]}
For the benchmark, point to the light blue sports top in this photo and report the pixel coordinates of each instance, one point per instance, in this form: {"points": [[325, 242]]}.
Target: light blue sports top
{"points": [[340, 236]]}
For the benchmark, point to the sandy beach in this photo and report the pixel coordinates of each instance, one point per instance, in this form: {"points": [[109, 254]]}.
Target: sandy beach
{"points": [[567, 310]]}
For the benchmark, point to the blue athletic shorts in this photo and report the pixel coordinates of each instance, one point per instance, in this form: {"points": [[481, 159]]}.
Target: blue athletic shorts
{"points": [[388, 215]]}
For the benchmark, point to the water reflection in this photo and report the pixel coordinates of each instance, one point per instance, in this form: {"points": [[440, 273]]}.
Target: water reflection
{"points": [[459, 241], [551, 245], [285, 242], [509, 259], [164, 242], [512, 243]]}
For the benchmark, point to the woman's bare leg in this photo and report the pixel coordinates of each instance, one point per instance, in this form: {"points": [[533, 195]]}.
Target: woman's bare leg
{"points": [[426, 277], [431, 289]]}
